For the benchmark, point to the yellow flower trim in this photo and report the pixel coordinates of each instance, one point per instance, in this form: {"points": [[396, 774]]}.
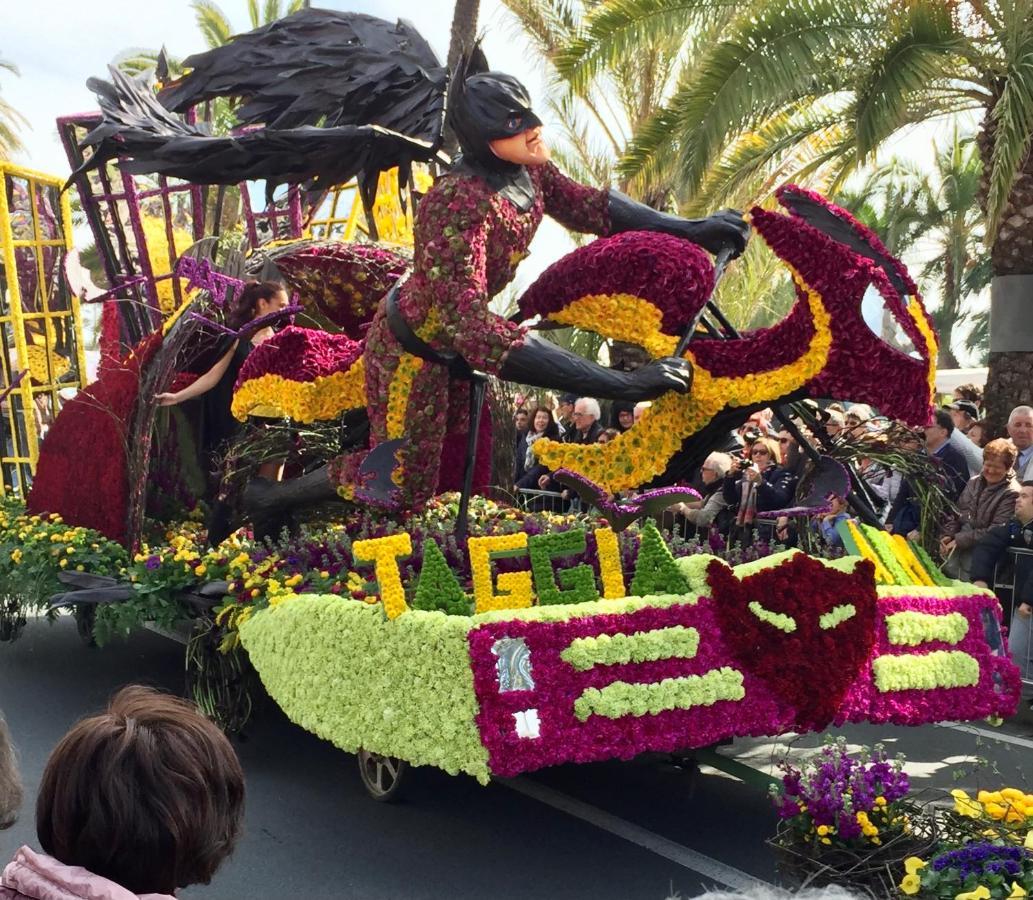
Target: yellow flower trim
{"points": [[514, 587], [383, 553], [909, 628], [911, 563], [398, 394], [610, 564], [320, 400], [619, 317], [882, 575], [932, 346], [640, 454], [939, 669]]}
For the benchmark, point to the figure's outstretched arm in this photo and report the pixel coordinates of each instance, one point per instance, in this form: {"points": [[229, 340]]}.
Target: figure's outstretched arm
{"points": [[723, 229], [201, 385], [544, 364]]}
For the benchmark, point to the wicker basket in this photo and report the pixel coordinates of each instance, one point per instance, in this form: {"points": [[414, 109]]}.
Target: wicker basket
{"points": [[874, 870]]}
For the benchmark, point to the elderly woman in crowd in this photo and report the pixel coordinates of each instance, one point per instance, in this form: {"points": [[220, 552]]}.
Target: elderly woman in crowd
{"points": [[759, 485], [987, 500], [704, 511]]}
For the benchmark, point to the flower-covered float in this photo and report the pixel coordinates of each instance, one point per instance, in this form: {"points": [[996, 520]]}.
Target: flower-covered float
{"points": [[392, 635]]}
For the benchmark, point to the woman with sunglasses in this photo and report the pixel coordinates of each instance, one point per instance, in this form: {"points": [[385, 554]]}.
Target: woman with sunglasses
{"points": [[759, 485]]}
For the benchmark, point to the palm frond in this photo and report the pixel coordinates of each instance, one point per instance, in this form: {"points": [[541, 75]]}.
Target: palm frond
{"points": [[252, 13], [271, 12], [212, 21], [922, 50], [617, 29], [784, 54]]}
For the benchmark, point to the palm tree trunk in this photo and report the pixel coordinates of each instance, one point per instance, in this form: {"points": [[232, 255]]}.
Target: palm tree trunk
{"points": [[1009, 382], [463, 35]]}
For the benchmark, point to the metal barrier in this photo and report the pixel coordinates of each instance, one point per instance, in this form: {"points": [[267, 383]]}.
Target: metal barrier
{"points": [[1015, 567], [547, 501]]}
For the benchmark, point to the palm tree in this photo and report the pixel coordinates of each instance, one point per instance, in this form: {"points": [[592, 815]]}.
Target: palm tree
{"points": [[851, 73], [11, 121]]}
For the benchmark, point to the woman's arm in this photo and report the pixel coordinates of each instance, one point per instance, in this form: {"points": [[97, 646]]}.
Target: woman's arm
{"points": [[202, 385]]}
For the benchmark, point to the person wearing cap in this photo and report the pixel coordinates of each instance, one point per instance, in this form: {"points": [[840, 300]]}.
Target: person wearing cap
{"points": [[963, 414], [565, 412]]}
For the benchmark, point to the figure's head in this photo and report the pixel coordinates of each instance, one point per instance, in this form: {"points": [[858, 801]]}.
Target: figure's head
{"points": [[259, 298], [978, 433], [971, 392], [1020, 427], [998, 459], [1024, 503], [625, 416], [963, 414], [491, 115], [148, 794], [520, 418], [607, 435], [565, 406], [715, 467], [586, 413], [541, 421], [938, 430], [764, 452]]}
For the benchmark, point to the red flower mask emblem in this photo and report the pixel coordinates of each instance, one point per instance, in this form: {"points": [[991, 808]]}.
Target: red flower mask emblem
{"points": [[804, 628]]}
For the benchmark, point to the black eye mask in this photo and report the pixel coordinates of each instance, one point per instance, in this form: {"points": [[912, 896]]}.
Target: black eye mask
{"points": [[487, 107]]}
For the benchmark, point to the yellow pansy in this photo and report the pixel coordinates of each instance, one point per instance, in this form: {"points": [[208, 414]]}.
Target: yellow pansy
{"points": [[911, 884], [1017, 891], [980, 893], [964, 805], [912, 865]]}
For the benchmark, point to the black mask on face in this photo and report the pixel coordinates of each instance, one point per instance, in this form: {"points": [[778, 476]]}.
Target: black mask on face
{"points": [[485, 108]]}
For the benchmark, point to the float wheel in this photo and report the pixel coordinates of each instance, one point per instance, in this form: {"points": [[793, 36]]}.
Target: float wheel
{"points": [[382, 776]]}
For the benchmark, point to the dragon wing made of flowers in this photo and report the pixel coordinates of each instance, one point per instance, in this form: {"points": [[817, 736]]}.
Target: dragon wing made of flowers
{"points": [[328, 96]]}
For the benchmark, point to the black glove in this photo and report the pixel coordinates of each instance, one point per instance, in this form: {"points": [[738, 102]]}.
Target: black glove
{"points": [[723, 229], [543, 364]]}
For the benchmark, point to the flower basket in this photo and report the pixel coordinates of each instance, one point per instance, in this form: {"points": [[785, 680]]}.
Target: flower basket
{"points": [[871, 869]]}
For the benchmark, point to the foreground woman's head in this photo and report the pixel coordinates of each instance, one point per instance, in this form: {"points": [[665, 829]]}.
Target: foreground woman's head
{"points": [[149, 794]]}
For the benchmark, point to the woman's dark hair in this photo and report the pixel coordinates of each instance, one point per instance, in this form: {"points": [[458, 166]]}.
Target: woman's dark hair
{"points": [[149, 794], [10, 783], [552, 430], [242, 310]]}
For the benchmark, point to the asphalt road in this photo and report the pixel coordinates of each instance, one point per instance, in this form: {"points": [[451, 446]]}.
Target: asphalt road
{"points": [[615, 830]]}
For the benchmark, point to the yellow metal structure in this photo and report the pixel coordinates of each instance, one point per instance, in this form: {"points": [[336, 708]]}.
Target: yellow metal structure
{"points": [[394, 224], [40, 321]]}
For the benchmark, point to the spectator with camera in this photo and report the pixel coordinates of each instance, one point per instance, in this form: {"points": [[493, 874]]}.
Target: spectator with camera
{"points": [[758, 484]]}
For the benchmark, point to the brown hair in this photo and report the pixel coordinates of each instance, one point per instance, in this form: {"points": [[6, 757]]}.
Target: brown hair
{"points": [[149, 794], [10, 783], [242, 310], [1003, 451]]}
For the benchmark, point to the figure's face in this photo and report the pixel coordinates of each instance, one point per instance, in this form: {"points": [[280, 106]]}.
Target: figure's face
{"points": [[709, 474], [1020, 430], [541, 420], [626, 418], [994, 470], [565, 410], [524, 149], [274, 304], [521, 421], [583, 419], [1024, 505], [975, 434], [934, 436], [960, 419]]}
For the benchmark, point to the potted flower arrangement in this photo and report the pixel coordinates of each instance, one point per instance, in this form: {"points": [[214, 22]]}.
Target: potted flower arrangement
{"points": [[847, 819], [986, 852]]}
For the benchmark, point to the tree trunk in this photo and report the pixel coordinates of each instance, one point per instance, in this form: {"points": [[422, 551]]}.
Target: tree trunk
{"points": [[463, 35], [1009, 382]]}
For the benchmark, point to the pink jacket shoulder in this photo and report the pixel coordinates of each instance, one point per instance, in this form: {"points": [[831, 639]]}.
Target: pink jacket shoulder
{"points": [[36, 876]]}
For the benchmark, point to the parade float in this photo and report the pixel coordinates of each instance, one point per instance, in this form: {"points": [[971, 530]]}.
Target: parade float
{"points": [[410, 625]]}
